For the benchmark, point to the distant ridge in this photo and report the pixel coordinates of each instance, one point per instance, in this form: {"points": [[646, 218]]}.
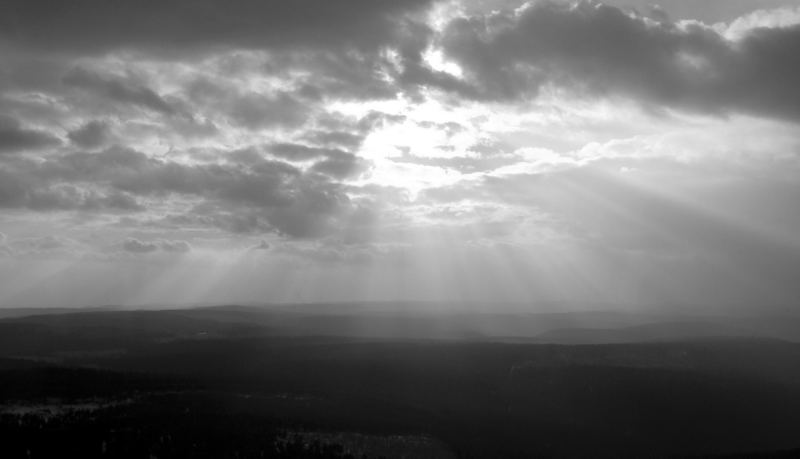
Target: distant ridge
{"points": [[368, 321]]}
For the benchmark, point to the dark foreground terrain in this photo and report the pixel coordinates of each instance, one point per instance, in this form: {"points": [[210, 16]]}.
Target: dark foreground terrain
{"points": [[243, 382]]}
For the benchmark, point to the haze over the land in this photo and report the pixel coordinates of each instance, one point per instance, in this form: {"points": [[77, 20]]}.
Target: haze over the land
{"points": [[208, 151]]}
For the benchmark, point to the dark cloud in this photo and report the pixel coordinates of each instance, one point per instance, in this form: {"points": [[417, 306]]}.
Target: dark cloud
{"points": [[257, 196], [344, 139], [600, 50], [314, 212], [321, 51], [255, 111], [262, 245], [91, 135], [345, 75], [15, 138], [46, 246], [308, 81], [127, 92], [335, 163], [340, 165], [265, 183], [93, 26], [21, 188], [47, 243], [175, 246], [134, 245], [300, 152]]}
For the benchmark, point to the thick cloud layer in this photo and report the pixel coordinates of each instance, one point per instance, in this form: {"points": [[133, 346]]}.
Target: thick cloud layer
{"points": [[97, 25], [601, 50]]}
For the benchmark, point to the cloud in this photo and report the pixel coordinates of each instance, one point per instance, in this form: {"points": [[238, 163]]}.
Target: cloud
{"points": [[137, 246], [342, 139], [262, 245], [46, 246], [118, 90], [14, 138], [332, 162], [341, 165], [95, 26], [134, 245], [260, 196], [21, 189], [599, 50], [320, 50], [175, 246], [300, 152], [256, 111], [91, 135]]}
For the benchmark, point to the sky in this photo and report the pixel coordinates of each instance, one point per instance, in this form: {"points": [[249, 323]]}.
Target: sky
{"points": [[241, 151]]}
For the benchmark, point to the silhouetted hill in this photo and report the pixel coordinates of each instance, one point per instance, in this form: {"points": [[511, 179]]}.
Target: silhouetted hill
{"points": [[247, 382]]}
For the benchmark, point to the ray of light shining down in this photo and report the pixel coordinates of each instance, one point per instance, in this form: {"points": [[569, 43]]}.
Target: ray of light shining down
{"points": [[440, 150]]}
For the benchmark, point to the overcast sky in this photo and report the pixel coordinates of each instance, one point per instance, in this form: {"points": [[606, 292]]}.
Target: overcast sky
{"points": [[184, 151]]}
